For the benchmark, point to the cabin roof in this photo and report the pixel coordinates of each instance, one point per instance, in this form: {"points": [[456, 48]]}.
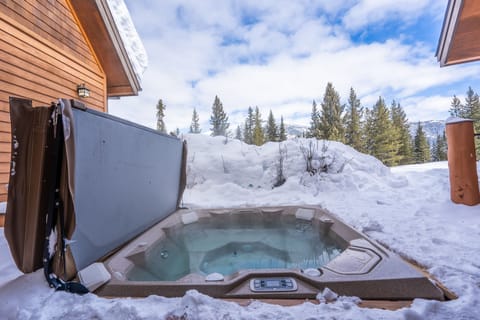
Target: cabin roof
{"points": [[460, 36], [98, 23]]}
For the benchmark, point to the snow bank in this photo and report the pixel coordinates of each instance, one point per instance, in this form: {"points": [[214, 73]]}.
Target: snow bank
{"points": [[8, 270], [246, 174]]}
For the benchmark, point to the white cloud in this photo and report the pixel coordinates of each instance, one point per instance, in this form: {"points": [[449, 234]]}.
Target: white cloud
{"points": [[432, 107], [368, 68], [334, 7], [317, 36], [281, 62], [367, 12]]}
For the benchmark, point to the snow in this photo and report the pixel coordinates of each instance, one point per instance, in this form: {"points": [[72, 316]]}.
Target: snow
{"points": [[327, 295], [406, 208], [131, 41], [451, 120], [214, 277]]}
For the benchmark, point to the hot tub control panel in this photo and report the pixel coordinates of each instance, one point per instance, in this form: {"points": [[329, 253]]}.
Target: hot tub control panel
{"points": [[273, 284]]}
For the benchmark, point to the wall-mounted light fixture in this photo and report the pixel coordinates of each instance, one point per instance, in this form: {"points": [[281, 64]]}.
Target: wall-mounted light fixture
{"points": [[83, 92]]}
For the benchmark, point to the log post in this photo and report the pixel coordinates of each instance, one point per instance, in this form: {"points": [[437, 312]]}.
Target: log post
{"points": [[462, 163]]}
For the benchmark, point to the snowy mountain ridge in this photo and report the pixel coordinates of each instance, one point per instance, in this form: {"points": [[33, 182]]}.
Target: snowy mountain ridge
{"points": [[431, 128]]}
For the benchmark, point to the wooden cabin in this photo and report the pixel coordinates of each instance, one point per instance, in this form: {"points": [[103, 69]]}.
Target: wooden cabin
{"points": [[460, 37], [48, 48]]}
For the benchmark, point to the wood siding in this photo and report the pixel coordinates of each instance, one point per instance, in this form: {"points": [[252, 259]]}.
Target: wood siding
{"points": [[44, 55], [465, 45], [459, 39]]}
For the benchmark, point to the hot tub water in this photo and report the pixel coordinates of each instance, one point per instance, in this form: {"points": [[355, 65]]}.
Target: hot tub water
{"points": [[228, 243]]}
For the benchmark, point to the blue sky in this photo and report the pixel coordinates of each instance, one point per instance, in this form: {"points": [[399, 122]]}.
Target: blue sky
{"points": [[280, 54]]}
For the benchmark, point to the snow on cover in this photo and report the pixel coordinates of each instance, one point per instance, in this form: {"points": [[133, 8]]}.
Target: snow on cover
{"points": [[406, 208], [134, 46]]}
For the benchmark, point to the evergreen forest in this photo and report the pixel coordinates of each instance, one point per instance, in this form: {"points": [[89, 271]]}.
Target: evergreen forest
{"points": [[381, 130]]}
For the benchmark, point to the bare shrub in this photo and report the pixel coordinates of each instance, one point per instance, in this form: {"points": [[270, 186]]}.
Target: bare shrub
{"points": [[225, 169], [190, 176], [320, 161], [193, 176], [280, 177]]}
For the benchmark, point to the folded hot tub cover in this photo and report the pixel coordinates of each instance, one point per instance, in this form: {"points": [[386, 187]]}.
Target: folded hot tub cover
{"points": [[115, 180]]}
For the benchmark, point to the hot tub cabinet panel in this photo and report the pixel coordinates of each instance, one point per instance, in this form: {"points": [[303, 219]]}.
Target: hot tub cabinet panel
{"points": [[364, 268]]}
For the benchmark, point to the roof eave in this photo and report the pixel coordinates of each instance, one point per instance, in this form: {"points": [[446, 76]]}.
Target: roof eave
{"points": [[127, 65], [102, 34], [449, 26]]}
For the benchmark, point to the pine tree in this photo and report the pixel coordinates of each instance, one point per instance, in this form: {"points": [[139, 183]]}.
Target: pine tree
{"points": [[368, 132], [421, 149], [433, 150], [353, 118], [331, 122], [472, 111], [442, 147], [195, 126], [469, 110], [400, 123], [282, 133], [258, 135], [439, 148], [271, 131], [472, 104], [456, 108], [218, 119], [238, 133], [160, 115], [313, 131], [249, 124], [175, 133], [382, 134]]}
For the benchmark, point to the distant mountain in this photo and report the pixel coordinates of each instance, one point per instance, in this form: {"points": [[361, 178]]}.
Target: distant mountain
{"points": [[294, 131], [431, 128]]}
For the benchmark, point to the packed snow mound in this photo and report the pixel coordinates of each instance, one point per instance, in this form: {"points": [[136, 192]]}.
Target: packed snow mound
{"points": [[331, 165]]}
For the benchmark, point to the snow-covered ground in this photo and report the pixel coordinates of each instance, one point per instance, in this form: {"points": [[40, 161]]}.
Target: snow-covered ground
{"points": [[406, 208]]}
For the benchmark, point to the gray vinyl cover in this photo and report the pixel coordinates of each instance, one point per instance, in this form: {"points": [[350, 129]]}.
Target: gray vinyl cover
{"points": [[126, 178]]}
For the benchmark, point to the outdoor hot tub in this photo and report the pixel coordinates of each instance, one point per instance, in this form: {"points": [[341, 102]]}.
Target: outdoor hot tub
{"points": [[270, 252]]}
